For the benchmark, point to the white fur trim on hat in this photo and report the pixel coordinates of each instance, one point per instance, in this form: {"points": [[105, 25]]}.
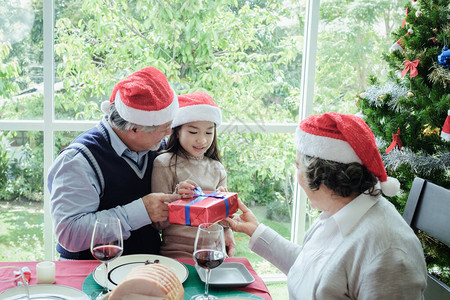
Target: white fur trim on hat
{"points": [[146, 118], [200, 112], [325, 147]]}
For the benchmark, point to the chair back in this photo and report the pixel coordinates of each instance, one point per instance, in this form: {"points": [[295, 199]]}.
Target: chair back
{"points": [[428, 210]]}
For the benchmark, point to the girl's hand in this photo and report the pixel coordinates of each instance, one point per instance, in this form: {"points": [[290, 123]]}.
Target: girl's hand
{"points": [[245, 222], [230, 244], [185, 189], [222, 189]]}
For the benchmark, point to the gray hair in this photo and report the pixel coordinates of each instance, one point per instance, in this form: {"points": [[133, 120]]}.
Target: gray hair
{"points": [[116, 121]]}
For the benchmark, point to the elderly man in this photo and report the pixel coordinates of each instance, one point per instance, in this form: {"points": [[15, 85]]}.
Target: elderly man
{"points": [[106, 171]]}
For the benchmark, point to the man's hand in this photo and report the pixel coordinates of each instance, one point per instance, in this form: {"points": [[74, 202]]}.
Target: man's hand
{"points": [[156, 205]]}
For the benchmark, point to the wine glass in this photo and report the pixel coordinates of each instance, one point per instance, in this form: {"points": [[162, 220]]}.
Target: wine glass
{"points": [[106, 244], [208, 252]]}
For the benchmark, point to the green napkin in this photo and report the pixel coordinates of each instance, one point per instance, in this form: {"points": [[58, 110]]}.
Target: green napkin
{"points": [[192, 286]]}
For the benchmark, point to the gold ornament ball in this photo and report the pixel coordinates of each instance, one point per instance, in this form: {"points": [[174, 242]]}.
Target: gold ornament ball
{"points": [[382, 97], [419, 13], [435, 30], [410, 95]]}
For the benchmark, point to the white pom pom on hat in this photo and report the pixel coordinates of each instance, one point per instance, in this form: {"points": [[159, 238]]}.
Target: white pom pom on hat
{"points": [[197, 106], [105, 106], [144, 98], [390, 187], [345, 139]]}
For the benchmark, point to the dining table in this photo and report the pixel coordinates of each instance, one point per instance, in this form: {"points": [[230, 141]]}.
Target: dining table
{"points": [[78, 274]]}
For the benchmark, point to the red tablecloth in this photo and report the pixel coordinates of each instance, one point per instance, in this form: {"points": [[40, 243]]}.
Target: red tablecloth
{"points": [[73, 273]]}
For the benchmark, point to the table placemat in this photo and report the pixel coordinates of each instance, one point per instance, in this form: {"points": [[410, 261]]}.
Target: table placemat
{"points": [[192, 286]]}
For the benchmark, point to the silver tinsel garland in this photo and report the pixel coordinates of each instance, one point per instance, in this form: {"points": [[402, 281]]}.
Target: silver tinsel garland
{"points": [[421, 164], [394, 90]]}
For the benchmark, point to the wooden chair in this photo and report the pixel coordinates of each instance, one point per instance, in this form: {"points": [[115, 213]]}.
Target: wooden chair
{"points": [[428, 210]]}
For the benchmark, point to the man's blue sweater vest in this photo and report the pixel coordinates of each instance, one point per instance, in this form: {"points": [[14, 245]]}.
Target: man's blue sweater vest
{"points": [[121, 181]]}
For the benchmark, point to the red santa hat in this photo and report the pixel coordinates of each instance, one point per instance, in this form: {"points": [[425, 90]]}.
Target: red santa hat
{"points": [[344, 139], [399, 45], [144, 98], [198, 106], [445, 133]]}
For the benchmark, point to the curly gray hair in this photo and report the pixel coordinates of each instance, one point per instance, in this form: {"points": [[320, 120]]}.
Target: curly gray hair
{"points": [[343, 179]]}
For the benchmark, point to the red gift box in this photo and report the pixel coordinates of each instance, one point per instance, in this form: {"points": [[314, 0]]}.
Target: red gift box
{"points": [[204, 207]]}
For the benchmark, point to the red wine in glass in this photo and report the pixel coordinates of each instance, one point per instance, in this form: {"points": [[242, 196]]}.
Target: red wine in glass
{"points": [[208, 252], [107, 253], [106, 245], [209, 259]]}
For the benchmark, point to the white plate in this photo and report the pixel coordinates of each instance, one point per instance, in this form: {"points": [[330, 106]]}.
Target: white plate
{"points": [[227, 274], [120, 267], [48, 291]]}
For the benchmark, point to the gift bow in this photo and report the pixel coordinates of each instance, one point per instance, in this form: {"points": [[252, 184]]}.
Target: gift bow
{"points": [[200, 196], [396, 141], [412, 67], [26, 273]]}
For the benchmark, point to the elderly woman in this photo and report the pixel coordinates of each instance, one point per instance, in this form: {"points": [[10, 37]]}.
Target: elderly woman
{"points": [[359, 247]]}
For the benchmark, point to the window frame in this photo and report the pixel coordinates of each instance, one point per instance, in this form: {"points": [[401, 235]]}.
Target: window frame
{"points": [[49, 125]]}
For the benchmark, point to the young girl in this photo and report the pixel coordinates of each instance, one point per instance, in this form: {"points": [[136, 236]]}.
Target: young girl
{"points": [[191, 158]]}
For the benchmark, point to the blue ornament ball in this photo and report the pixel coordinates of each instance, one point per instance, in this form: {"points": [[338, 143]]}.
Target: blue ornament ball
{"points": [[444, 58]]}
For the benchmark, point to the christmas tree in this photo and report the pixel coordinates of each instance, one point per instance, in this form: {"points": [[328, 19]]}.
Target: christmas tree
{"points": [[409, 110]]}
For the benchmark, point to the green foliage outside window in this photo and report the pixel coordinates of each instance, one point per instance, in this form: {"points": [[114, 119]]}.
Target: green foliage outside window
{"points": [[20, 170], [239, 54], [352, 35], [9, 70]]}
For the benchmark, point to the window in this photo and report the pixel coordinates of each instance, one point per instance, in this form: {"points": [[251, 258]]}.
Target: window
{"points": [[246, 55], [21, 147]]}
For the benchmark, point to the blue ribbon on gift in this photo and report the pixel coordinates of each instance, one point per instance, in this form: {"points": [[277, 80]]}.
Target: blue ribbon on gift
{"points": [[200, 196]]}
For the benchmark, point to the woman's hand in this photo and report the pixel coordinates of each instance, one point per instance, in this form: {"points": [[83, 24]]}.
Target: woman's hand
{"points": [[245, 222], [160, 225], [185, 189]]}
